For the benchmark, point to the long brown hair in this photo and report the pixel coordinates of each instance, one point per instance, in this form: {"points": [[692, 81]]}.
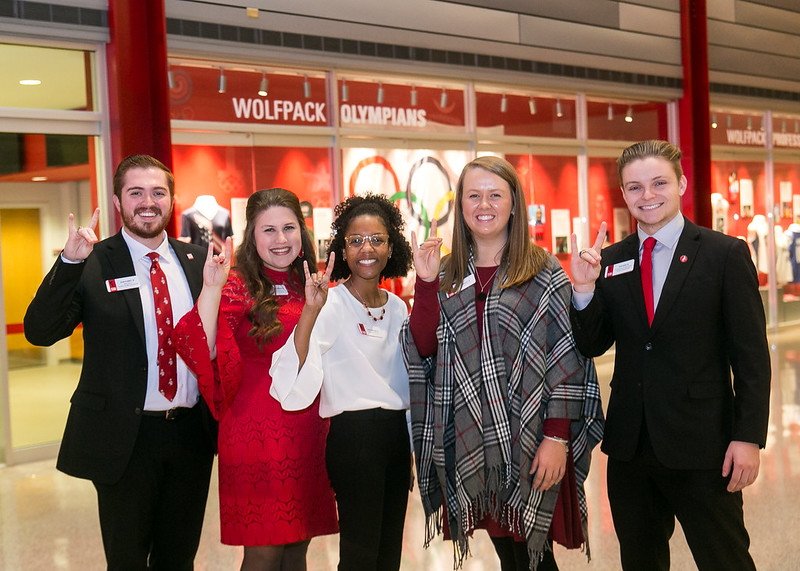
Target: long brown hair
{"points": [[521, 259], [250, 266]]}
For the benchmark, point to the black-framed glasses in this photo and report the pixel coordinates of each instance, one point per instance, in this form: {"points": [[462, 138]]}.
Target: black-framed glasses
{"points": [[357, 241]]}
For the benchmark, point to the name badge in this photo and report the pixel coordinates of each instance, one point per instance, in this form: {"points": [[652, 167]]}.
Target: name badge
{"points": [[373, 331], [468, 281], [619, 269], [121, 284], [280, 289]]}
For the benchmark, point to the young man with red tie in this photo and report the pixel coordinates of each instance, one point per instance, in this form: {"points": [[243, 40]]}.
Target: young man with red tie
{"points": [[136, 426], [683, 435]]}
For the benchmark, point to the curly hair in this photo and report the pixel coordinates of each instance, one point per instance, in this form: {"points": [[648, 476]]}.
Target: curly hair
{"points": [[375, 205], [263, 314]]}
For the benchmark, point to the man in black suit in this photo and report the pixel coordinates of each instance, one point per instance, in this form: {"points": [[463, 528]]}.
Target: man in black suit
{"points": [[148, 453], [682, 435]]}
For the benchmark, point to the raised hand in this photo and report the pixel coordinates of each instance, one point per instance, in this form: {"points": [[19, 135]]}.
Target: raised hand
{"points": [[316, 288], [427, 255], [585, 263], [81, 240], [217, 267]]}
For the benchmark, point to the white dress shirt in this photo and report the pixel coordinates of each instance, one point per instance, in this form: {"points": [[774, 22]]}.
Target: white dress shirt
{"points": [[181, 300]]}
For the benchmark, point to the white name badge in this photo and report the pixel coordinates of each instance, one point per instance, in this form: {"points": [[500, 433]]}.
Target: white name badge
{"points": [[280, 289], [619, 269], [121, 284], [468, 282], [372, 331]]}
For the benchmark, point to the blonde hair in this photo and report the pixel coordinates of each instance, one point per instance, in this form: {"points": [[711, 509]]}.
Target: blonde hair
{"points": [[652, 148], [521, 259]]}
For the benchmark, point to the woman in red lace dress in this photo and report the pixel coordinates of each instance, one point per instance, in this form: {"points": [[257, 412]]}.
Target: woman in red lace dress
{"points": [[274, 492]]}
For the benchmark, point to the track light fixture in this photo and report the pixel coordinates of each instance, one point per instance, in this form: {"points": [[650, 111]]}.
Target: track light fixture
{"points": [[443, 98], [262, 87], [306, 87], [714, 121], [504, 104], [532, 106], [345, 91], [223, 81], [559, 111], [729, 121], [414, 98], [170, 79], [629, 114], [380, 93], [749, 123], [610, 114]]}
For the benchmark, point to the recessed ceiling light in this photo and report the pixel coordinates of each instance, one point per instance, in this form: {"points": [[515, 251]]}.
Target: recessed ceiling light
{"points": [[30, 82], [39, 178]]}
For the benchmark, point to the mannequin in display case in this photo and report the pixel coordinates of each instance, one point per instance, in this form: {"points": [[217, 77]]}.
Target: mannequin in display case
{"points": [[206, 222]]}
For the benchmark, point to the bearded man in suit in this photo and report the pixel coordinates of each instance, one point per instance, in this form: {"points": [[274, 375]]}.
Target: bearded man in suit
{"points": [[689, 402], [146, 444]]}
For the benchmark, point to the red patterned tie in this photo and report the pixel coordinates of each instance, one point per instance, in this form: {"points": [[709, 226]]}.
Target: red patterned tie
{"points": [[167, 371], [647, 276]]}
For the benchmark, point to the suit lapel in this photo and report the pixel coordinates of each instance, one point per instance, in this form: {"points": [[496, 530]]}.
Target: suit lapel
{"points": [[680, 266], [121, 264], [186, 259]]}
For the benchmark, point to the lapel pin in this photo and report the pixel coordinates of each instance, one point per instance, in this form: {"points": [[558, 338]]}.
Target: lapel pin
{"points": [[683, 258], [191, 256]]}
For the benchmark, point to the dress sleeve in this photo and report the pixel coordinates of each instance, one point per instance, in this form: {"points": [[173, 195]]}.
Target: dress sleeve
{"points": [[425, 317], [297, 389], [218, 380]]}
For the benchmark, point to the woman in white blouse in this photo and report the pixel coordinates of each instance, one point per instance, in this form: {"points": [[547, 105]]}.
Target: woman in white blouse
{"points": [[345, 349]]}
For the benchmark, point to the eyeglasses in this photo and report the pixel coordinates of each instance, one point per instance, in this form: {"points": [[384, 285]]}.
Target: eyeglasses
{"points": [[357, 241]]}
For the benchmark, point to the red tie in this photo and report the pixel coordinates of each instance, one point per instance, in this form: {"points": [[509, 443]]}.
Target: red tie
{"points": [[167, 371], [647, 276]]}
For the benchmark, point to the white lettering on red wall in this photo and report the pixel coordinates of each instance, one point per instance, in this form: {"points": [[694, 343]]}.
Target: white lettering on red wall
{"points": [[379, 115], [758, 138], [282, 110]]}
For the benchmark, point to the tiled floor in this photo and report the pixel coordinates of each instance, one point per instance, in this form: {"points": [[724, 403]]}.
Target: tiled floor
{"points": [[48, 520]]}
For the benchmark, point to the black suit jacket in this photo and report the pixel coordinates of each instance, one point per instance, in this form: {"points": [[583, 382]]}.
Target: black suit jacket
{"points": [[677, 374], [105, 409]]}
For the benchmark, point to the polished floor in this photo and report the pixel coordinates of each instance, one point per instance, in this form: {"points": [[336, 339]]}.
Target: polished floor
{"points": [[48, 521]]}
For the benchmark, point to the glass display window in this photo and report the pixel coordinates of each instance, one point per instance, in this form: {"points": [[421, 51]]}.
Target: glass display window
{"points": [[37, 77], [606, 203], [402, 106], [205, 92], [509, 114], [621, 121], [213, 183]]}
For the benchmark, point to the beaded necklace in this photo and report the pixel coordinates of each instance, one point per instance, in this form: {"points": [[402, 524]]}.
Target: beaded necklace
{"points": [[358, 295]]}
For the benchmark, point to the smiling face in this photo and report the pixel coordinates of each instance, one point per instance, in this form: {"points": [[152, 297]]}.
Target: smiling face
{"points": [[145, 204], [368, 261], [277, 236], [652, 190], [486, 204]]}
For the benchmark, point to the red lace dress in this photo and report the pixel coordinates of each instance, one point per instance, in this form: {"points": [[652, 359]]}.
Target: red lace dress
{"points": [[273, 486]]}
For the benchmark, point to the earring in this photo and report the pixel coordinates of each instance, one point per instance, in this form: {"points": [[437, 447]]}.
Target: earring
{"points": [[300, 255]]}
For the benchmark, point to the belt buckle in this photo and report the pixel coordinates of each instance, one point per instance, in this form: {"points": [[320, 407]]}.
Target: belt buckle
{"points": [[170, 414]]}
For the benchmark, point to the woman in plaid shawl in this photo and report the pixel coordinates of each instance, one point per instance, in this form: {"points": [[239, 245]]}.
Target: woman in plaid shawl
{"points": [[504, 410]]}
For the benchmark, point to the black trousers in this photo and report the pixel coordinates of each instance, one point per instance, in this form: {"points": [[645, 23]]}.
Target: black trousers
{"points": [[646, 497], [368, 458], [152, 517]]}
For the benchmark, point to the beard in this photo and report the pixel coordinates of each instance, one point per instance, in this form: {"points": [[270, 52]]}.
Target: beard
{"points": [[146, 230]]}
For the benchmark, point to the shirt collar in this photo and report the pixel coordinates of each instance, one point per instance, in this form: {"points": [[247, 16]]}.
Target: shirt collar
{"points": [[667, 235], [139, 250]]}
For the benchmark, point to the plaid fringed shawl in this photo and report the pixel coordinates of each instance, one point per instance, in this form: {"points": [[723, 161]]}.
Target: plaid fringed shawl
{"points": [[477, 408]]}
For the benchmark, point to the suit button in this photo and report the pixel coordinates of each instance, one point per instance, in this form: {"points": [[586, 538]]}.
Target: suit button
{"points": [[648, 347], [138, 411]]}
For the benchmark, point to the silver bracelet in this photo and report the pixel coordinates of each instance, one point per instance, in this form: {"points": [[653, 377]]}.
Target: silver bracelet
{"points": [[557, 439]]}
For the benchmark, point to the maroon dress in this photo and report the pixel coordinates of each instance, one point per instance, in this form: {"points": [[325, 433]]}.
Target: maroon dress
{"points": [[273, 486]]}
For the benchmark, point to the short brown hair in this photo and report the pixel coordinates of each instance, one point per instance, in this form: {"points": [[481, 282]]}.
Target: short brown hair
{"points": [[140, 162], [652, 148]]}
